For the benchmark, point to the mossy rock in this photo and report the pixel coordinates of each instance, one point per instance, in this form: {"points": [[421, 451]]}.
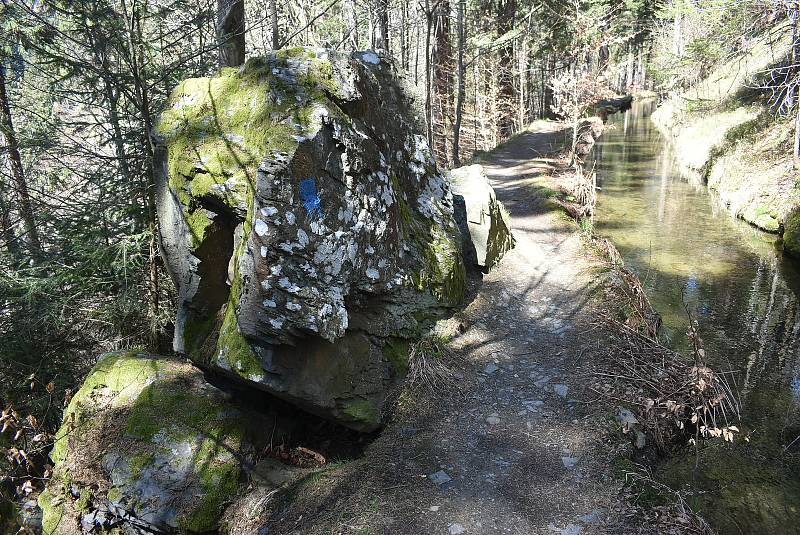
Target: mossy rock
{"points": [[791, 233], [297, 199], [145, 438], [484, 222], [763, 218]]}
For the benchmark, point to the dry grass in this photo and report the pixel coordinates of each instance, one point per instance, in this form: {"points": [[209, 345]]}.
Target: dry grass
{"points": [[432, 366]]}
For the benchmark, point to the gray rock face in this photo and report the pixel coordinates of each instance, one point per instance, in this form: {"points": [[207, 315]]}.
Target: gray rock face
{"points": [[483, 220], [306, 226]]}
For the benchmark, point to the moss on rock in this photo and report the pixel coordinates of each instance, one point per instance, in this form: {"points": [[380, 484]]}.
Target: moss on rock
{"points": [[115, 381], [762, 217], [218, 129], [52, 512], [150, 436], [363, 411], [791, 233], [396, 352]]}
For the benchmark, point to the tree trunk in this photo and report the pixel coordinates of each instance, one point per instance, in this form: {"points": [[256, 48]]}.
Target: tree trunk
{"points": [[797, 138], [403, 36], [230, 32], [428, 106], [629, 66], [6, 227], [416, 54], [17, 173], [276, 36], [475, 106], [793, 14], [523, 68], [506, 10], [460, 85], [380, 25], [351, 23], [141, 93], [549, 95], [443, 80], [677, 37], [603, 55]]}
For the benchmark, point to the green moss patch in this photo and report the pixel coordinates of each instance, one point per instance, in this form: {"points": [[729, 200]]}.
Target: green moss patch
{"points": [[442, 270], [147, 421], [113, 383], [791, 233], [362, 410], [763, 218], [218, 129], [396, 352], [52, 512]]}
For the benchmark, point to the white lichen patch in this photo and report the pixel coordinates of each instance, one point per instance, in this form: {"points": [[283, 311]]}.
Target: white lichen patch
{"points": [[261, 228], [288, 286], [302, 237], [436, 200], [268, 211]]}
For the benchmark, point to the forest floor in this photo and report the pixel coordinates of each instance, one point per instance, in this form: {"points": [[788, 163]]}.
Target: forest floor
{"points": [[518, 443]]}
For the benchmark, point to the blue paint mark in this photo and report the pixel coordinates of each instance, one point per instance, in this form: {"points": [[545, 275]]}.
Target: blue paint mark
{"points": [[796, 388], [310, 198]]}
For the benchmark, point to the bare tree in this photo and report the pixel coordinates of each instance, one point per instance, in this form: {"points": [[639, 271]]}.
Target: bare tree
{"points": [[443, 80], [380, 25], [460, 82], [350, 23], [17, 173], [506, 10], [230, 32], [276, 37]]}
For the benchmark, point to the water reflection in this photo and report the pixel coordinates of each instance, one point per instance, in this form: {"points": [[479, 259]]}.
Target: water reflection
{"points": [[687, 248]]}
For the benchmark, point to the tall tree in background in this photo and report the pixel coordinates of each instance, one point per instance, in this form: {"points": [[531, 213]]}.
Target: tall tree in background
{"points": [[273, 15], [350, 24], [506, 12], [460, 82], [17, 172], [231, 32], [443, 81], [380, 25]]}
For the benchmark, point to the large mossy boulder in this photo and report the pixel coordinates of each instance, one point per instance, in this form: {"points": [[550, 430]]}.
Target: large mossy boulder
{"points": [[307, 228], [146, 444], [484, 222]]}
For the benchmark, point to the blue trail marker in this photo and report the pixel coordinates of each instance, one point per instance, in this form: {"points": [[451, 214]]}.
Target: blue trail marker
{"points": [[310, 198]]}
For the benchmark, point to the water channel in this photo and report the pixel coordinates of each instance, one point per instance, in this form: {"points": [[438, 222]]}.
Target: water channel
{"points": [[686, 247]]}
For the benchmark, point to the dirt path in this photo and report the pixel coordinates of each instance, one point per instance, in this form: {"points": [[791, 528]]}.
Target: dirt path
{"points": [[519, 451]]}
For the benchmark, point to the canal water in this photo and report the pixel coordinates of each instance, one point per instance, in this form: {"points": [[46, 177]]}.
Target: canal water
{"points": [[687, 248]]}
